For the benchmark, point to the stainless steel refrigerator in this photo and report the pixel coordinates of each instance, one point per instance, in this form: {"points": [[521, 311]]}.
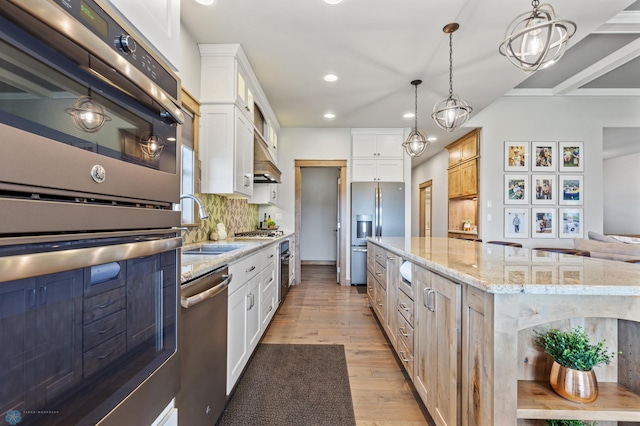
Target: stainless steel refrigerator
{"points": [[377, 210]]}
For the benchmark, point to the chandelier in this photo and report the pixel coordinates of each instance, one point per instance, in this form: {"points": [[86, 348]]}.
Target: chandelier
{"points": [[416, 142], [452, 112], [536, 39]]}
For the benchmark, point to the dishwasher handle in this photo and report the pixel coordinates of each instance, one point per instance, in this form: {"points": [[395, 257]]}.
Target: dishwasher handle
{"points": [[188, 302]]}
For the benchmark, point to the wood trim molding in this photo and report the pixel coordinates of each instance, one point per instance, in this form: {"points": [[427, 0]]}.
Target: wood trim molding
{"points": [[422, 201], [342, 195]]}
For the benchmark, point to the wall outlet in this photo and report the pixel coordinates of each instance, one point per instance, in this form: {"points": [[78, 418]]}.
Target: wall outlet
{"points": [[278, 216], [489, 218], [489, 203]]}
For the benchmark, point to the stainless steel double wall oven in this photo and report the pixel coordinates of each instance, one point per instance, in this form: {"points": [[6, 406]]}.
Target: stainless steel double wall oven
{"points": [[89, 251]]}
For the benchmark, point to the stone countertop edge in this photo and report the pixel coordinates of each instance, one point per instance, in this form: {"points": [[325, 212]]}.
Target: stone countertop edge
{"points": [[194, 265], [482, 265]]}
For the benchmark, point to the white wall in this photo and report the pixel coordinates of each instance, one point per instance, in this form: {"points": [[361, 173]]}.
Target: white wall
{"points": [[435, 168], [621, 195], [576, 118], [189, 70], [319, 217]]}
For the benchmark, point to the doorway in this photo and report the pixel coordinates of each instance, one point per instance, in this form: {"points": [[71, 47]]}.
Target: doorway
{"points": [[425, 209], [340, 166]]}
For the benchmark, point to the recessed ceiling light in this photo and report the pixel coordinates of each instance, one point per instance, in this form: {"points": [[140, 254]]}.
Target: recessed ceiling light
{"points": [[432, 139], [330, 78], [206, 2], [332, 1], [329, 115], [409, 115]]}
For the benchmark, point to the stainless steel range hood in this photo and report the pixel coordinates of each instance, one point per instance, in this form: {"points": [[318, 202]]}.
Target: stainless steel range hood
{"points": [[264, 168]]}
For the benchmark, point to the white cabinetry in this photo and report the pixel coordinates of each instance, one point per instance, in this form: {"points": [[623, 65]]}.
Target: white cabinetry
{"points": [[377, 155], [377, 170], [264, 193], [252, 304], [226, 151]]}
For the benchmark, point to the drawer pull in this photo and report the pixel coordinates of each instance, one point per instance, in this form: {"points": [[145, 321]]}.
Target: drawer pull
{"points": [[270, 279], [401, 353], [404, 307], [104, 305], [378, 274], [107, 330], [378, 302], [403, 332], [250, 269], [270, 256], [106, 355], [270, 308], [430, 307]]}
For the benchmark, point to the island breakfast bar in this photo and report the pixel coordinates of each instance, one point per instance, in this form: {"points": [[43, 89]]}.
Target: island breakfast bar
{"points": [[464, 327]]}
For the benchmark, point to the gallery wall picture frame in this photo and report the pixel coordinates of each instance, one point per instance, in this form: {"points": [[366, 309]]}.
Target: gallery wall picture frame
{"points": [[543, 189], [516, 223], [571, 157], [544, 156], [516, 155], [571, 222], [516, 189], [571, 190], [543, 222]]}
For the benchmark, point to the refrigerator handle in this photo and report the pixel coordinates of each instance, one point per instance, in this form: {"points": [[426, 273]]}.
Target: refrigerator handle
{"points": [[376, 230], [380, 211]]}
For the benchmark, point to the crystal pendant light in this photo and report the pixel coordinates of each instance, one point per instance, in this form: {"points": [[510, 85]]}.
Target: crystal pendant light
{"points": [[416, 142], [452, 112], [536, 39]]}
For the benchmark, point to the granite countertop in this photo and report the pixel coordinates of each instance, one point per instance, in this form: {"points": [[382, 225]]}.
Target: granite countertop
{"points": [[195, 265], [503, 269]]}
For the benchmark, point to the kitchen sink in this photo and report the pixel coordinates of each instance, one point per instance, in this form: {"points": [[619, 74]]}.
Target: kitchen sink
{"points": [[214, 249]]}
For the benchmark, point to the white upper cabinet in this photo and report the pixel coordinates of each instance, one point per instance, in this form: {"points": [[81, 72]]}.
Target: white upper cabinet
{"points": [[376, 144], [157, 21]]}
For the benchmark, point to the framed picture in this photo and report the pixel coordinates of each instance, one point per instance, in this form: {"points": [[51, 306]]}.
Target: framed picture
{"points": [[516, 274], [515, 156], [543, 222], [570, 190], [516, 223], [571, 156], [515, 189], [571, 225], [543, 274], [543, 189], [543, 156], [570, 274]]}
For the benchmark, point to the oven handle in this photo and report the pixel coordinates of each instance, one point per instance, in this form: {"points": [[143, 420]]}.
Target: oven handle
{"points": [[36, 264], [188, 302]]}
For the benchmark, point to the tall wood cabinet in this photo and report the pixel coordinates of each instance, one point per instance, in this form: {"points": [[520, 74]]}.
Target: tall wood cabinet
{"points": [[464, 156]]}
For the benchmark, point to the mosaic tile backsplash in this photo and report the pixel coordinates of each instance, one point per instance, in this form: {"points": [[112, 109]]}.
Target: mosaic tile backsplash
{"points": [[236, 213]]}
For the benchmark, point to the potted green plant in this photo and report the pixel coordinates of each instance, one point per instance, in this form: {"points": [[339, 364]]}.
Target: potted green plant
{"points": [[572, 375], [466, 224], [568, 423]]}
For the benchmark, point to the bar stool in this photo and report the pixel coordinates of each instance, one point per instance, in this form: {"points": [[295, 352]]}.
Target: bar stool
{"points": [[505, 243], [574, 252]]}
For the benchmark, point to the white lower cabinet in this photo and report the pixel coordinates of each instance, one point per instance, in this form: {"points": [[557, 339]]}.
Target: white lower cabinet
{"points": [[251, 306]]}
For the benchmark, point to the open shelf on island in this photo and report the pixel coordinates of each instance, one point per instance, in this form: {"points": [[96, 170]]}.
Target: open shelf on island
{"points": [[536, 400]]}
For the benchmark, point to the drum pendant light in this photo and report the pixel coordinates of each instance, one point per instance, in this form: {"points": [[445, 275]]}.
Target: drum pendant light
{"points": [[536, 39], [416, 142], [452, 112]]}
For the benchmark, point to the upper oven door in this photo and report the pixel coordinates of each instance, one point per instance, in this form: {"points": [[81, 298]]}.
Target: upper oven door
{"points": [[93, 121]]}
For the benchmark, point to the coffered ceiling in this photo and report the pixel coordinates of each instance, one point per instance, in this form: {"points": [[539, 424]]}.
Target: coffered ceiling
{"points": [[377, 47]]}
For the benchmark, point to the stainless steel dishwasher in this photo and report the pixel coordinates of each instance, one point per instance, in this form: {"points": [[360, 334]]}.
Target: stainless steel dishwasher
{"points": [[202, 347]]}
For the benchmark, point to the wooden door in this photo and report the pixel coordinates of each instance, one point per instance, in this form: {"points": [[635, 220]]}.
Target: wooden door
{"points": [[423, 330], [236, 335], [469, 178], [455, 188]]}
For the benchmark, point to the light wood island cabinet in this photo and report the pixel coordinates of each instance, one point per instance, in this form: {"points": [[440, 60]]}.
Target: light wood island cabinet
{"points": [[475, 359]]}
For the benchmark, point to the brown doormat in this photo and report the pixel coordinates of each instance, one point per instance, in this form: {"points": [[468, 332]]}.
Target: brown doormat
{"points": [[292, 385]]}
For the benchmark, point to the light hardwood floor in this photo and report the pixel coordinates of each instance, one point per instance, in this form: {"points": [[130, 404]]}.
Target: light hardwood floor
{"points": [[318, 311]]}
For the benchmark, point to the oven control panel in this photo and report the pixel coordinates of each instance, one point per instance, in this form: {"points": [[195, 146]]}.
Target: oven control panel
{"points": [[120, 39]]}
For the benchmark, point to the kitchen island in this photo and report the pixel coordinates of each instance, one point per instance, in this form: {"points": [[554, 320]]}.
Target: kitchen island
{"points": [[475, 309]]}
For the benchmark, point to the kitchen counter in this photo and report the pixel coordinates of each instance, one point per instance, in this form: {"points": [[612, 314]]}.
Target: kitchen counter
{"points": [[502, 269], [195, 265], [477, 307]]}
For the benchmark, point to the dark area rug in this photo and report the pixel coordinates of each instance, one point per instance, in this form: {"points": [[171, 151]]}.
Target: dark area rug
{"points": [[292, 385]]}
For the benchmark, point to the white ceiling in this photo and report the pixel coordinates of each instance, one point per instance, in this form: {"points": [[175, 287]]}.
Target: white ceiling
{"points": [[377, 47]]}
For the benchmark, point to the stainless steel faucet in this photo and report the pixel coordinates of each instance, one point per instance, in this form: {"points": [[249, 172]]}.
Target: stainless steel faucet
{"points": [[202, 213]]}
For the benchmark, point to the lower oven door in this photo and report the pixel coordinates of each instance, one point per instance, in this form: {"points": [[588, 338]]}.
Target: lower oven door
{"points": [[88, 328]]}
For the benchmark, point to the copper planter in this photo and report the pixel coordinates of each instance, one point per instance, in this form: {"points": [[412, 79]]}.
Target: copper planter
{"points": [[574, 385]]}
